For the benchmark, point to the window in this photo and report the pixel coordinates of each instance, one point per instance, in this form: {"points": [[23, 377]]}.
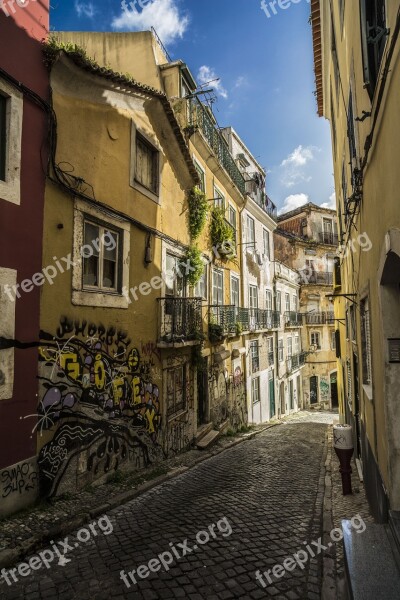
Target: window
{"points": [[315, 340], [279, 301], [254, 356], [333, 340], [266, 243], [374, 35], [297, 345], [176, 390], [218, 287], [185, 88], [202, 175], [219, 198], [8, 277], [101, 258], [3, 136], [175, 283], [146, 168], [255, 390], [287, 302], [351, 131], [289, 347], [280, 350], [268, 300], [232, 220], [251, 233], [253, 297], [235, 291], [294, 303], [11, 119], [349, 384], [270, 345], [200, 290], [366, 342], [341, 11]]}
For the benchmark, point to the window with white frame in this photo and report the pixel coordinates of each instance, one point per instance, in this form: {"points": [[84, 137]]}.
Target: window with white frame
{"points": [[287, 302], [315, 339], [219, 198], [266, 243], [333, 340], [255, 390], [366, 342], [289, 347], [101, 257], [200, 290], [147, 164], [11, 119], [279, 301], [202, 176], [217, 287], [250, 233], [280, 350], [254, 356], [270, 346], [99, 271], [268, 300], [294, 303], [176, 390], [175, 282], [232, 220], [253, 297], [296, 344], [235, 291]]}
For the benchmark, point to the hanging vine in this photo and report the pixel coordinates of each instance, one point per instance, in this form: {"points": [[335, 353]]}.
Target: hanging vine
{"points": [[193, 258], [220, 230], [198, 209]]}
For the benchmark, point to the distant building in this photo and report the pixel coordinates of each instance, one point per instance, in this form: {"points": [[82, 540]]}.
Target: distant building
{"points": [[306, 239]]}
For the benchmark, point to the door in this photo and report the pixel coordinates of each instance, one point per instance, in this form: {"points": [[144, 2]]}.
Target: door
{"points": [[272, 408], [282, 398], [291, 396], [334, 392], [314, 389], [202, 393], [357, 417]]}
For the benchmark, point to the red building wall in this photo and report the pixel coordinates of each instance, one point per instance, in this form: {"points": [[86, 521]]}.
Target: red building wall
{"points": [[21, 57]]}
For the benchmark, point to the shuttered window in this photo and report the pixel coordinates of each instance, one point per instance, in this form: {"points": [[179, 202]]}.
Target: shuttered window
{"points": [[146, 172], [374, 35], [3, 138], [366, 342]]}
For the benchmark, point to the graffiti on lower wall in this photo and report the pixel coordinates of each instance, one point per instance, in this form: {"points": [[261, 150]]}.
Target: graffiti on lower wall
{"points": [[18, 480], [228, 398], [98, 399]]}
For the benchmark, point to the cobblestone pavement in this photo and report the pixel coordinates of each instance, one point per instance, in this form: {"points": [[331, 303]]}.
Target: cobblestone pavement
{"points": [[265, 497]]}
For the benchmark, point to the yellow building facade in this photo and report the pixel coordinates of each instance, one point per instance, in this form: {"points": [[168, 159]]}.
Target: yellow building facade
{"points": [[356, 50]]}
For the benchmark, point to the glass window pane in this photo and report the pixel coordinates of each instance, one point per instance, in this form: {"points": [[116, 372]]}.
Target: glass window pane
{"points": [[110, 245], [91, 271], [92, 238], [109, 274]]}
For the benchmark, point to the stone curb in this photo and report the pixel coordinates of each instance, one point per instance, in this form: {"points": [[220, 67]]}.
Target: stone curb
{"points": [[8, 558], [328, 562]]}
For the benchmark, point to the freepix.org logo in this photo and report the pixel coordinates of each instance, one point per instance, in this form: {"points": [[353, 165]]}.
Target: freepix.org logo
{"points": [[270, 8], [8, 6]]}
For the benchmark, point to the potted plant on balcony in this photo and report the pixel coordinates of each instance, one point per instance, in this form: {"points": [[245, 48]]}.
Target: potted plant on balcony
{"points": [[221, 232]]}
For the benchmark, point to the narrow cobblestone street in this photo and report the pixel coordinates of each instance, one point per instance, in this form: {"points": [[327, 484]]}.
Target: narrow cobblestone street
{"points": [[269, 492]]}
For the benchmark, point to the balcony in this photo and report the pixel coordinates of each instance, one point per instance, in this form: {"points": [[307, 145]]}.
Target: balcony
{"points": [[199, 117], [326, 237], [316, 277], [180, 320], [293, 319], [233, 320], [296, 362], [320, 318], [261, 199]]}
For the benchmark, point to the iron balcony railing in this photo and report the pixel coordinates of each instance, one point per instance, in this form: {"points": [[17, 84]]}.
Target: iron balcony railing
{"points": [[201, 118], [180, 319], [229, 319], [293, 319], [261, 199], [326, 237], [296, 361], [320, 318], [316, 277]]}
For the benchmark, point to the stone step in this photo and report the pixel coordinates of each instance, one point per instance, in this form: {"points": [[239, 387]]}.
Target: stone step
{"points": [[203, 430], [208, 439], [371, 567]]}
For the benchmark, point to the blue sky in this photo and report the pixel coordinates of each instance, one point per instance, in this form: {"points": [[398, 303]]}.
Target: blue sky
{"points": [[265, 66]]}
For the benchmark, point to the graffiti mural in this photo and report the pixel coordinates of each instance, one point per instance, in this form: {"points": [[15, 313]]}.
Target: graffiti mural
{"points": [[18, 480], [99, 401]]}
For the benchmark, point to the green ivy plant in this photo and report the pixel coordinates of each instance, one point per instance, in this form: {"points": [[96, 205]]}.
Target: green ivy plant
{"points": [[220, 230], [193, 258], [198, 209]]}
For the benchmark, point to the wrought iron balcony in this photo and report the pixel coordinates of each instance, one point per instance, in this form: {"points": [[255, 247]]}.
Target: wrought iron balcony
{"points": [[293, 319], [326, 237], [230, 320], [316, 277], [296, 361], [320, 318], [261, 199], [222, 321], [201, 118], [330, 318], [180, 319]]}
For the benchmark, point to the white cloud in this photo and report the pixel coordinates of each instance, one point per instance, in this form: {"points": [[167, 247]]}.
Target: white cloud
{"points": [[163, 15], [241, 81], [294, 201], [332, 202], [85, 9], [207, 74], [294, 165]]}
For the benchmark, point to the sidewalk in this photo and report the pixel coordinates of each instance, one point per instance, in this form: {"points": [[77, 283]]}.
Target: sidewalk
{"points": [[336, 508], [22, 533]]}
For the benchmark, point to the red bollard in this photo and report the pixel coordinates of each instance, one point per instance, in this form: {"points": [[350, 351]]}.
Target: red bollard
{"points": [[344, 448]]}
